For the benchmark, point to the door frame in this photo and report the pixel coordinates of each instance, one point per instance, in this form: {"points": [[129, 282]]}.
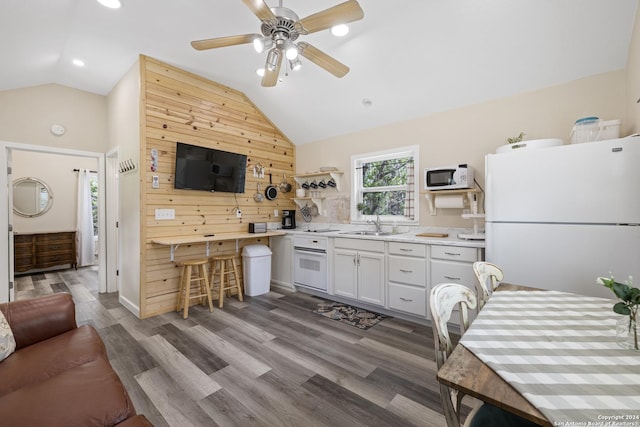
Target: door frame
{"points": [[6, 250], [112, 212]]}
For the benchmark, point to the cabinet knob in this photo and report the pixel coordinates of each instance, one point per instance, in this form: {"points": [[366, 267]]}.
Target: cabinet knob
{"points": [[451, 278], [406, 299]]}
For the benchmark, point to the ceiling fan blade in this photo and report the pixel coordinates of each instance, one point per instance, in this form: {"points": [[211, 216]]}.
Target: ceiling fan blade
{"points": [[223, 41], [322, 60], [260, 9], [343, 13], [270, 77]]}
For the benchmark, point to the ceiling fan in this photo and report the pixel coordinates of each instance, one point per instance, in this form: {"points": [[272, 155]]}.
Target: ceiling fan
{"points": [[280, 28]]}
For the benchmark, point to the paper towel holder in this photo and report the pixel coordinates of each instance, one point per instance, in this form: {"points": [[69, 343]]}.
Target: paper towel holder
{"points": [[470, 194]]}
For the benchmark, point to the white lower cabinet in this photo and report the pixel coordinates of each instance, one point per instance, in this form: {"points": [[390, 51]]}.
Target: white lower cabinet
{"points": [[454, 264], [407, 265], [358, 270], [410, 299]]}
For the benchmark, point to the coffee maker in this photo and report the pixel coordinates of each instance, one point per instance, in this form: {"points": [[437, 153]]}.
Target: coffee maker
{"points": [[288, 219]]}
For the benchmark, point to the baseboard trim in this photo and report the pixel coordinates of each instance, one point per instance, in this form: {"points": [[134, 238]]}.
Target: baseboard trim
{"points": [[129, 305]]}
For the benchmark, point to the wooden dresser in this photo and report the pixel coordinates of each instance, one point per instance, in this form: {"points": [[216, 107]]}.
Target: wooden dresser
{"points": [[44, 250]]}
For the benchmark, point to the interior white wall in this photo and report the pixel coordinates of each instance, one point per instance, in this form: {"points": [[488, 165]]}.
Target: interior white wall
{"points": [[26, 116], [56, 170], [123, 105]]}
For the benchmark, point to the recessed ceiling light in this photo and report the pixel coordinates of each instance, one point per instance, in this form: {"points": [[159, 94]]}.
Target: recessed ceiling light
{"points": [[340, 30], [78, 62], [260, 72], [111, 4]]}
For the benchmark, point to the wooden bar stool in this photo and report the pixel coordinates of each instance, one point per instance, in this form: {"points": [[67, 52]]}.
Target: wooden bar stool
{"points": [[227, 266], [188, 279]]}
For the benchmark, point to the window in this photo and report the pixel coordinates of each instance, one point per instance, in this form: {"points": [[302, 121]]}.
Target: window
{"points": [[384, 184], [93, 186]]}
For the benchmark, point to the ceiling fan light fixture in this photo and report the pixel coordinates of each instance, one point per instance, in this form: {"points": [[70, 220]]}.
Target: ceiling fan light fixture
{"points": [[295, 64], [260, 44], [340, 30], [272, 59], [111, 4], [291, 50]]}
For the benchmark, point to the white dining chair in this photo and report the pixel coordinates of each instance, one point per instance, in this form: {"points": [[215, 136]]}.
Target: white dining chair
{"points": [[489, 277], [444, 298]]}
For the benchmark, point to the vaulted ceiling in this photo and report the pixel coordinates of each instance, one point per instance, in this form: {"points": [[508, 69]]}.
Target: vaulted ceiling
{"points": [[408, 58]]}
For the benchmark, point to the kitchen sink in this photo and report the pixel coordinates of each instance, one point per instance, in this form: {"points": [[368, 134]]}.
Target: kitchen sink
{"points": [[367, 233]]}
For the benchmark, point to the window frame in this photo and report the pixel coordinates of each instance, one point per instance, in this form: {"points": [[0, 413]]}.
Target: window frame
{"points": [[357, 190]]}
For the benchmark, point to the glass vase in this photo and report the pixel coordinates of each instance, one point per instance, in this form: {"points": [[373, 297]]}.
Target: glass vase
{"points": [[627, 333]]}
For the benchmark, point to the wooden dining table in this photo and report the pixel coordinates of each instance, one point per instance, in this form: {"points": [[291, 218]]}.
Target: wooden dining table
{"points": [[465, 372]]}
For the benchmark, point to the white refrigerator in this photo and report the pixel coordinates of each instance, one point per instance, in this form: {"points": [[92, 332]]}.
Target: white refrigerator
{"points": [[558, 217]]}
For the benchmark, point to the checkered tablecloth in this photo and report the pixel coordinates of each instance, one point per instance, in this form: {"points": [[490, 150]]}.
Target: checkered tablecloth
{"points": [[559, 351]]}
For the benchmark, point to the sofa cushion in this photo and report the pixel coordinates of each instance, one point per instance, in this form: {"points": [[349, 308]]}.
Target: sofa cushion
{"points": [[38, 319], [87, 395], [7, 341], [45, 359]]}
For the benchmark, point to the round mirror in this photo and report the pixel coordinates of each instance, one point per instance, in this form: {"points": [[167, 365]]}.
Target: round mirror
{"points": [[31, 197]]}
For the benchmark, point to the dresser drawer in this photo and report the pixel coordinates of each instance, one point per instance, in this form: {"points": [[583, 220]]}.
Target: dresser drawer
{"points": [[43, 261], [454, 253], [23, 239], [452, 272], [408, 270], [49, 238], [54, 246], [408, 249], [408, 299]]}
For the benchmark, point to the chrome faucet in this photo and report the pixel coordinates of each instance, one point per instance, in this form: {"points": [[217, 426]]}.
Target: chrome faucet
{"points": [[377, 223]]}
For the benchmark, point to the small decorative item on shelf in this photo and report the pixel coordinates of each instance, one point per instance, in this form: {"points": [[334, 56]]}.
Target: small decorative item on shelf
{"points": [[626, 329], [516, 139]]}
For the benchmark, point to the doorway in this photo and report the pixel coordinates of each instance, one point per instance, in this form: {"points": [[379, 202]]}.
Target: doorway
{"points": [[57, 167]]}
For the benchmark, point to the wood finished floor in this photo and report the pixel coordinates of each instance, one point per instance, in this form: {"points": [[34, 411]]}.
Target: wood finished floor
{"points": [[268, 361]]}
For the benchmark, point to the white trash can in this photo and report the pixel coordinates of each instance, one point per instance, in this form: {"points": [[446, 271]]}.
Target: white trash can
{"points": [[256, 268]]}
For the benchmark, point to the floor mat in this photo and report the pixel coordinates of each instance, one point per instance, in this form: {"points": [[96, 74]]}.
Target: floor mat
{"points": [[354, 316]]}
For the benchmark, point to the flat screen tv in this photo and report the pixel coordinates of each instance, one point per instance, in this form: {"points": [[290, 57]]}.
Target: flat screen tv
{"points": [[208, 169]]}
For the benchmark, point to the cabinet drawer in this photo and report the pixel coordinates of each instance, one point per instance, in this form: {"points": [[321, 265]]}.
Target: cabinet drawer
{"points": [[43, 261], [54, 247], [359, 244], [454, 253], [55, 237], [408, 299], [408, 270], [408, 249], [22, 239], [452, 272]]}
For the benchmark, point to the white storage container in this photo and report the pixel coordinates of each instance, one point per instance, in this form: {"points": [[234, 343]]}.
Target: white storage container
{"points": [[591, 129], [256, 260]]}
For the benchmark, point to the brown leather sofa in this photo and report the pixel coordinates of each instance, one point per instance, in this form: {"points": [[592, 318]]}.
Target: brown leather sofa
{"points": [[59, 374]]}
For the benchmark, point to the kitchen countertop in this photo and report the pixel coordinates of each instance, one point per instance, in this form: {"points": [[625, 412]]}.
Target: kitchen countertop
{"points": [[406, 236]]}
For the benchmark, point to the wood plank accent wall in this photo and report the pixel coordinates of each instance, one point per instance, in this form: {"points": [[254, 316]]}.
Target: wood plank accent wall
{"points": [[180, 106]]}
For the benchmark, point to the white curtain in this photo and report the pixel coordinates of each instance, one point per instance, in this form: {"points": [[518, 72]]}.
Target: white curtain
{"points": [[84, 229]]}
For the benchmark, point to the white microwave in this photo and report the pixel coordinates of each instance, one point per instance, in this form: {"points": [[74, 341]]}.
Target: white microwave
{"points": [[448, 177]]}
